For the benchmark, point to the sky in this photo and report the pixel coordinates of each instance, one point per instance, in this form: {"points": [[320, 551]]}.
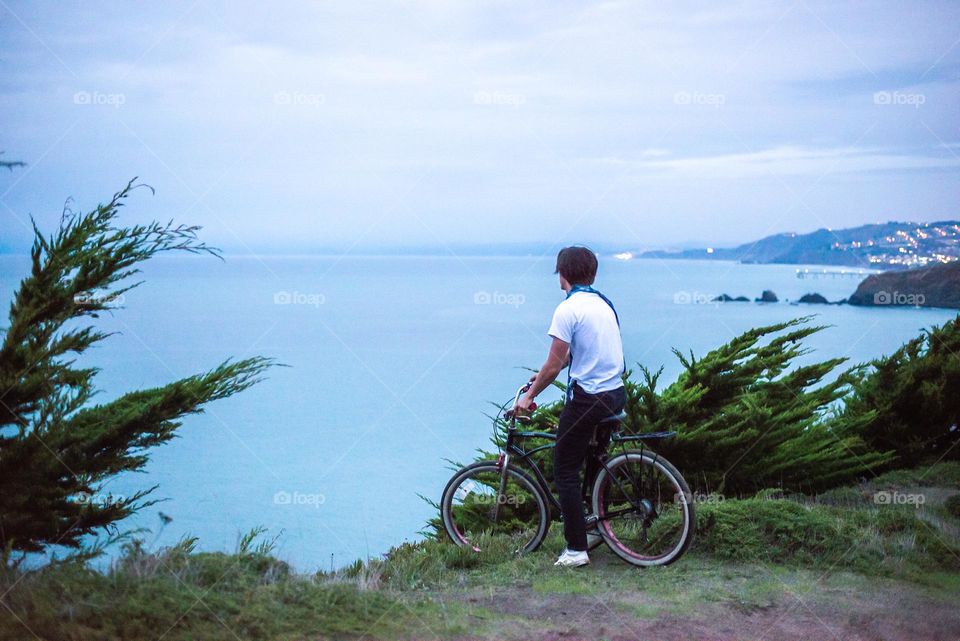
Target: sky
{"points": [[352, 126]]}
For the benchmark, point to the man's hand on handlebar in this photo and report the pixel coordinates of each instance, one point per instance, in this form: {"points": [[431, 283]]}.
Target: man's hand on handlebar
{"points": [[525, 405]]}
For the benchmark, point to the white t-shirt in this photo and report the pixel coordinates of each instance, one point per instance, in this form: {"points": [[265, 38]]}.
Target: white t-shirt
{"points": [[588, 324]]}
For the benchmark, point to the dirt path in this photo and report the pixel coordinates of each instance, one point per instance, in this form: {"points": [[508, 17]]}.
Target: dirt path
{"points": [[893, 616], [740, 603]]}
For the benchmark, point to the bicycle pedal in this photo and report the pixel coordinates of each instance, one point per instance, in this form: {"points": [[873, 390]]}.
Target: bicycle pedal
{"points": [[593, 540]]}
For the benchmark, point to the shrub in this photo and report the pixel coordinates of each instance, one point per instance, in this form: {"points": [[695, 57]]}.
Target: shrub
{"points": [[57, 449], [871, 539], [909, 399], [770, 530], [952, 506], [748, 417], [944, 474]]}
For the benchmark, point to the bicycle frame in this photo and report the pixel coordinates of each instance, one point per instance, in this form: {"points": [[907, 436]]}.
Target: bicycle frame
{"points": [[511, 448]]}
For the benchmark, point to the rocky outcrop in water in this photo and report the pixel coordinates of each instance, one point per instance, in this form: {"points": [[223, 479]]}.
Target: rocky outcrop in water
{"points": [[726, 298]]}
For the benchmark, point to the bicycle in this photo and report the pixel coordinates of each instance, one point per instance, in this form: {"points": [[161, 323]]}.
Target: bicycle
{"points": [[638, 501]]}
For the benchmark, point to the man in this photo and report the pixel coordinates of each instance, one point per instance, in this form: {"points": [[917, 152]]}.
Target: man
{"points": [[586, 335]]}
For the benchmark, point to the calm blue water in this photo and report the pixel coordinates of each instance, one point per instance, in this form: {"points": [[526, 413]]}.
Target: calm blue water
{"points": [[392, 364]]}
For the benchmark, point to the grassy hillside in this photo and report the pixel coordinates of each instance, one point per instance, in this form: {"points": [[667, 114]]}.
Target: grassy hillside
{"points": [[783, 562]]}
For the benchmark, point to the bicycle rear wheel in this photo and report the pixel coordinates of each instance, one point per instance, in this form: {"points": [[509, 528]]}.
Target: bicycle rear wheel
{"points": [[475, 513], [644, 508]]}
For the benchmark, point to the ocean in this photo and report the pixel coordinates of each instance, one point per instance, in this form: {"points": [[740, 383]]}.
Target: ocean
{"points": [[392, 365]]}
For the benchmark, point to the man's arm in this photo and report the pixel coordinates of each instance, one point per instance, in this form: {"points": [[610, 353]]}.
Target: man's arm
{"points": [[556, 361]]}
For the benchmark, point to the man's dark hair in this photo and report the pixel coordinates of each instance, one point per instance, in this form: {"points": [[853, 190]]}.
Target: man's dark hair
{"points": [[578, 265]]}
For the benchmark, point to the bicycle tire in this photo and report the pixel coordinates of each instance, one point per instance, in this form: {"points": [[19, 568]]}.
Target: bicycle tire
{"points": [[491, 467], [682, 496]]}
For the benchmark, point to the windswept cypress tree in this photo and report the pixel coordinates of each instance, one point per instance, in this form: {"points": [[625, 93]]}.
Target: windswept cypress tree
{"points": [[56, 447], [748, 417], [911, 399]]}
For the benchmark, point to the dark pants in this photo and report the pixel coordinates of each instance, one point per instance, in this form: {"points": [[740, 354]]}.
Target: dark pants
{"points": [[577, 422]]}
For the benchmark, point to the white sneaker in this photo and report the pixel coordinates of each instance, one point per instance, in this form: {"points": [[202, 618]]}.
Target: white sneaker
{"points": [[573, 559]]}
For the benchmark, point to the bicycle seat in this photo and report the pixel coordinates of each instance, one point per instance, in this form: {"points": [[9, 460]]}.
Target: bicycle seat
{"points": [[616, 418]]}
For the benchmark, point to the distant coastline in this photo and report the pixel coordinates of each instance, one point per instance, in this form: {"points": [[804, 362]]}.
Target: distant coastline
{"points": [[935, 286], [892, 245]]}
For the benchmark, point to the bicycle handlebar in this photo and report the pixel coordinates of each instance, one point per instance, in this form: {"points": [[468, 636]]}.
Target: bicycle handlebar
{"points": [[512, 412]]}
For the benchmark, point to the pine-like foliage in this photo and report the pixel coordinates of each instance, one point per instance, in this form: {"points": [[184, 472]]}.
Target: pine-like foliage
{"points": [[748, 417], [56, 447], [912, 398]]}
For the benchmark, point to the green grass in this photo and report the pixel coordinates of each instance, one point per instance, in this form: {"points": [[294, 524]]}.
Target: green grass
{"points": [[943, 474], [841, 530], [890, 540], [749, 555], [184, 595]]}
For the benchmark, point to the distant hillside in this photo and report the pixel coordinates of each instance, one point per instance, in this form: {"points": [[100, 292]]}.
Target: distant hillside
{"points": [[889, 245], [935, 286]]}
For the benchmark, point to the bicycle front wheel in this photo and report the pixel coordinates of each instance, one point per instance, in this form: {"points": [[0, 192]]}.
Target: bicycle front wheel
{"points": [[644, 509], [475, 513]]}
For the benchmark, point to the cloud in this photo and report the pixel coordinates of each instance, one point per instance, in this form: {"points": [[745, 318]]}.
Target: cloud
{"points": [[479, 117], [788, 161]]}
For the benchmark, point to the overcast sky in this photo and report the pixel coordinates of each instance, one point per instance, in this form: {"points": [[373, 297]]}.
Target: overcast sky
{"points": [[288, 127]]}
